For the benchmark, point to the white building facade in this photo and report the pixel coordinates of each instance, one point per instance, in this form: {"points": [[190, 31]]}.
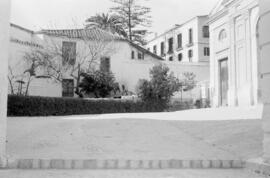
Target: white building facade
{"points": [[234, 61], [185, 48], [127, 61], [4, 41]]}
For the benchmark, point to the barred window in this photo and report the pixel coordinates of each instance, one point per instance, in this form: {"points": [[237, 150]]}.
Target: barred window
{"points": [[69, 52], [105, 64], [68, 88]]}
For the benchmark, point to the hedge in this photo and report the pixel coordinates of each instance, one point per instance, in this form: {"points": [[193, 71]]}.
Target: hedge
{"points": [[49, 106]]}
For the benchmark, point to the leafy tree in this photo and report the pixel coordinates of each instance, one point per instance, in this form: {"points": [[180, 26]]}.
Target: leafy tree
{"points": [[108, 22], [133, 16], [99, 83], [189, 81], [160, 88]]}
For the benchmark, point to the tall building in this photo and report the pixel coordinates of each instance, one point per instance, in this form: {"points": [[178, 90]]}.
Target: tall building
{"points": [[185, 48], [234, 61], [185, 43]]}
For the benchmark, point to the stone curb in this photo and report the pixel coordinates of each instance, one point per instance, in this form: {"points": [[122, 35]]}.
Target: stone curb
{"points": [[124, 164]]}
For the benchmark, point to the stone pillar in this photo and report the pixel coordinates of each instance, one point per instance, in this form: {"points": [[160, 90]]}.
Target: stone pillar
{"points": [[4, 41], [264, 57]]}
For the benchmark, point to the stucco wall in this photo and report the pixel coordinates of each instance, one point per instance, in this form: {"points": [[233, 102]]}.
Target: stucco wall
{"points": [[4, 41], [238, 20], [264, 42]]}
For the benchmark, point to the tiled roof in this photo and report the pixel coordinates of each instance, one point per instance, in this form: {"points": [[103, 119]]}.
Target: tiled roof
{"points": [[94, 34], [89, 34]]}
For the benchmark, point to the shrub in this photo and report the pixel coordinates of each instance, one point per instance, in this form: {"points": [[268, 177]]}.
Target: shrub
{"points": [[48, 106], [161, 87], [100, 83]]}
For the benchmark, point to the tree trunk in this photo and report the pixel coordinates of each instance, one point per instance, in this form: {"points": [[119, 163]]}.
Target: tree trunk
{"points": [[129, 20]]}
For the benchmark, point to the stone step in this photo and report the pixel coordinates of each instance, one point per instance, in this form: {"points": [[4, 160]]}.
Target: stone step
{"points": [[124, 164]]}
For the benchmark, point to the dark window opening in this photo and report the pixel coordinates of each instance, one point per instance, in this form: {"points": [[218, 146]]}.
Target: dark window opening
{"points": [[140, 55], [206, 33], [68, 88], [206, 51], [179, 40], [69, 53], [171, 58], [190, 32], [180, 57], [162, 48], [190, 55], [170, 44], [132, 55], [105, 64], [155, 49]]}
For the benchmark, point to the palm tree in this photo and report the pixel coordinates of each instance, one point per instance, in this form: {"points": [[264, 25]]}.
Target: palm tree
{"points": [[111, 23]]}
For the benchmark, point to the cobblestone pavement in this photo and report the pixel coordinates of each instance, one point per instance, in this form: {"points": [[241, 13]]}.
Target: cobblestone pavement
{"points": [[127, 174]]}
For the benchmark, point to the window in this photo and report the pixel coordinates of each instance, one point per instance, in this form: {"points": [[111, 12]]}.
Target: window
{"points": [[105, 64], [190, 55], [190, 36], [140, 55], [206, 31], [69, 52], [170, 50], [180, 57], [222, 35], [162, 48], [206, 51], [155, 49], [67, 87], [171, 58], [179, 40], [132, 55]]}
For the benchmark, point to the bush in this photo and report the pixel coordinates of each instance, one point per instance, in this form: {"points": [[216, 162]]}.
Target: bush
{"points": [[161, 87], [48, 106], [99, 83]]}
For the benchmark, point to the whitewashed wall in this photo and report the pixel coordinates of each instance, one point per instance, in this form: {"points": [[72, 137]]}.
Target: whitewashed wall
{"points": [[264, 42], [4, 41], [239, 22]]}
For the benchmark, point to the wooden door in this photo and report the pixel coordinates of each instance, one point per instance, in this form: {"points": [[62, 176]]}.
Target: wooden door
{"points": [[224, 77]]}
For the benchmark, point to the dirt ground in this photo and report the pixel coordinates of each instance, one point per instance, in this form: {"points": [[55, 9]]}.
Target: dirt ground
{"points": [[58, 138]]}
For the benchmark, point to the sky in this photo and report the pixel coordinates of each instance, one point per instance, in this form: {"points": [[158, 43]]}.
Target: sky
{"points": [[41, 14]]}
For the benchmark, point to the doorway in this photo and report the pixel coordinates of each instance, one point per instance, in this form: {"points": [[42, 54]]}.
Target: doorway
{"points": [[223, 83]]}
